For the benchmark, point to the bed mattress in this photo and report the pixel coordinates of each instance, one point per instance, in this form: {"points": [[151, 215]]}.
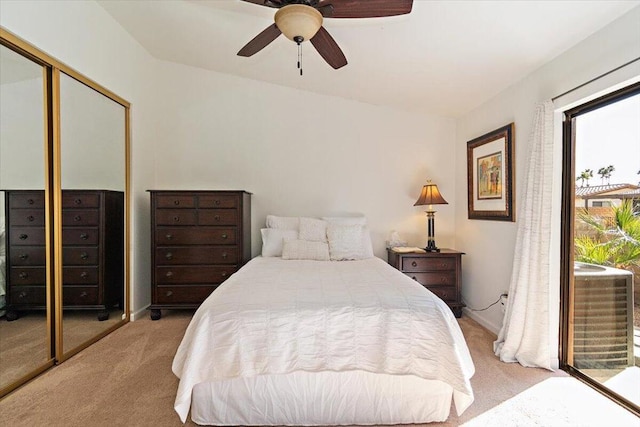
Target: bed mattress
{"points": [[279, 317]]}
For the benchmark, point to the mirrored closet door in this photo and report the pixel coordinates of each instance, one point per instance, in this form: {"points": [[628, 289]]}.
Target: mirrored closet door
{"points": [[64, 189], [24, 344]]}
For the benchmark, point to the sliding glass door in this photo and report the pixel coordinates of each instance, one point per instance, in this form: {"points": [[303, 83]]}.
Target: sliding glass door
{"points": [[601, 244]]}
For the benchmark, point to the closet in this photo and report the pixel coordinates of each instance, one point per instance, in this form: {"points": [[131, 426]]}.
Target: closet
{"points": [[64, 211]]}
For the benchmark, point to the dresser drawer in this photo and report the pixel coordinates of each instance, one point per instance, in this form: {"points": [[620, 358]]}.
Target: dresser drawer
{"points": [[27, 276], [28, 255], [79, 275], [80, 295], [217, 217], [445, 293], [28, 295], [80, 236], [80, 200], [175, 201], [19, 236], [182, 294], [194, 274], [33, 199], [29, 217], [176, 255], [225, 201], [176, 217], [435, 278], [427, 264], [80, 256], [80, 217], [196, 236]]}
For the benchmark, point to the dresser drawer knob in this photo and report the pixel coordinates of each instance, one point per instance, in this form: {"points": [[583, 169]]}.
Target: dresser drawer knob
{"points": [[24, 256], [176, 219], [84, 255], [443, 280], [22, 295], [414, 264], [30, 201], [78, 201], [30, 218], [77, 218], [23, 275], [217, 217], [169, 293], [176, 202], [24, 236], [169, 274], [84, 274], [83, 294], [224, 255], [443, 265], [223, 274], [217, 202], [414, 278], [169, 236], [84, 236], [224, 236], [169, 255]]}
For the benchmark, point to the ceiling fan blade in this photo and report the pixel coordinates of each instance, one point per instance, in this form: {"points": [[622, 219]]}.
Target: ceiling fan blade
{"points": [[363, 8], [328, 49], [260, 41], [268, 3]]}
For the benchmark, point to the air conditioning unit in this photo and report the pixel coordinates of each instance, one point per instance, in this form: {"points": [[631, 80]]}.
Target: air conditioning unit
{"points": [[603, 317]]}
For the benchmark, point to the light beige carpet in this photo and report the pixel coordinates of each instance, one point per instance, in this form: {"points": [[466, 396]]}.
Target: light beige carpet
{"points": [[125, 380]]}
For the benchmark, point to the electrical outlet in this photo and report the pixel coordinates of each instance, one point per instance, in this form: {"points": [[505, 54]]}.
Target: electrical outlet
{"points": [[503, 302]]}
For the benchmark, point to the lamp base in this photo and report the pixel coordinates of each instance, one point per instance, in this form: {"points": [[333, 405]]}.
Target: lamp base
{"points": [[428, 249], [431, 246]]}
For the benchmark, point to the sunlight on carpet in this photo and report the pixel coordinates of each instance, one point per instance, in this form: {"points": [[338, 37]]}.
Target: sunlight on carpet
{"points": [[557, 402]]}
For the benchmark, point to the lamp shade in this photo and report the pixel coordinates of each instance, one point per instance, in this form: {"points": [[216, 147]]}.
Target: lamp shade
{"points": [[298, 20], [430, 195]]}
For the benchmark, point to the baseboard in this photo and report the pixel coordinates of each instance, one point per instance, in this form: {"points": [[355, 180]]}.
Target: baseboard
{"points": [[492, 327], [137, 315]]}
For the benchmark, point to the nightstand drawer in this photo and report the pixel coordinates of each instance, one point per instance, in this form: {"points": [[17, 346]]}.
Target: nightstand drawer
{"points": [[445, 293], [427, 264], [433, 279]]}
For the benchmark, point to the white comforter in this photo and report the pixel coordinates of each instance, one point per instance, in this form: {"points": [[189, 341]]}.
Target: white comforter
{"points": [[278, 316]]}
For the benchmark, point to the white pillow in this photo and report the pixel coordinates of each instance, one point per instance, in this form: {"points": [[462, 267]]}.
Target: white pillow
{"points": [[346, 242], [312, 229], [283, 222], [304, 249], [367, 246], [272, 240]]}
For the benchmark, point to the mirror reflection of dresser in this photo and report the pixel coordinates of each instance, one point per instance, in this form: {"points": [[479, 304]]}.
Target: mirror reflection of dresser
{"points": [[63, 211]]}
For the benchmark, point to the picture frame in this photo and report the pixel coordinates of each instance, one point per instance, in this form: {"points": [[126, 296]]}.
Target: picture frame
{"points": [[490, 175]]}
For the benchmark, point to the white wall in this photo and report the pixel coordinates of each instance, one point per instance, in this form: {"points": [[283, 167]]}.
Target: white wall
{"points": [[490, 245], [303, 154]]}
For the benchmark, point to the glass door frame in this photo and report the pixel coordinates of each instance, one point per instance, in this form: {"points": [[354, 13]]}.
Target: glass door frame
{"points": [[567, 238]]}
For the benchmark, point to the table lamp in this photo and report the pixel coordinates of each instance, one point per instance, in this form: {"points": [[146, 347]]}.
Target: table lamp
{"points": [[430, 196]]}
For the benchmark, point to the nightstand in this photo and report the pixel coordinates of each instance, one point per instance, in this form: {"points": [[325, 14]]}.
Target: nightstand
{"points": [[440, 272]]}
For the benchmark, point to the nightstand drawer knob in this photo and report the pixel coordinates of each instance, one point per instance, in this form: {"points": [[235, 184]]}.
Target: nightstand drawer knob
{"points": [[77, 218], [223, 274], [169, 255], [224, 236], [84, 255], [24, 236], [169, 293], [30, 218], [23, 275], [78, 201], [169, 274], [176, 202], [169, 236], [30, 201], [84, 236], [84, 274], [414, 278], [24, 256], [224, 255], [176, 219], [217, 217], [414, 264]]}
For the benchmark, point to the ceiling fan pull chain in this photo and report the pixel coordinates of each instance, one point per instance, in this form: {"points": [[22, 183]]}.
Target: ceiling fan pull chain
{"points": [[300, 57]]}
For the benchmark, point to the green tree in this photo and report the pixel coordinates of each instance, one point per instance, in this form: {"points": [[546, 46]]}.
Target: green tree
{"points": [[614, 244], [585, 175]]}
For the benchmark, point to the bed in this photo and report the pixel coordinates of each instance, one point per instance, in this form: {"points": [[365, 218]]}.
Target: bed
{"points": [[305, 342]]}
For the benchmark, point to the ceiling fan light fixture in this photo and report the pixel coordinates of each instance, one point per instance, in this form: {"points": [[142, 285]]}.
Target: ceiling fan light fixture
{"points": [[298, 20]]}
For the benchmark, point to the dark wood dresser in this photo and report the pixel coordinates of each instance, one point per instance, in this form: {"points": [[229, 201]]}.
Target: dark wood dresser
{"points": [[440, 272], [92, 251], [198, 239]]}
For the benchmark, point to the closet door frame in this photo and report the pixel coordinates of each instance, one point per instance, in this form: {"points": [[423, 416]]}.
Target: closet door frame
{"points": [[53, 199]]}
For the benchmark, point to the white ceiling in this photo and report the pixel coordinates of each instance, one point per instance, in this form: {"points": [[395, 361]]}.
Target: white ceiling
{"points": [[445, 57]]}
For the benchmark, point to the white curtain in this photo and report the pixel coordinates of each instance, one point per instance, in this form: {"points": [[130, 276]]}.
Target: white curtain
{"points": [[524, 336]]}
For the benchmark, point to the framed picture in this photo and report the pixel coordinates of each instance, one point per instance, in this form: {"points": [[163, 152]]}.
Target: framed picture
{"points": [[490, 175]]}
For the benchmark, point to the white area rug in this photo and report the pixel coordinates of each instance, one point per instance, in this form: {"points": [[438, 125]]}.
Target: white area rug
{"points": [[627, 384], [557, 402]]}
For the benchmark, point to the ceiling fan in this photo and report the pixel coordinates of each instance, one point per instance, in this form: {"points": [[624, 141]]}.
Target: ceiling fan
{"points": [[301, 20]]}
